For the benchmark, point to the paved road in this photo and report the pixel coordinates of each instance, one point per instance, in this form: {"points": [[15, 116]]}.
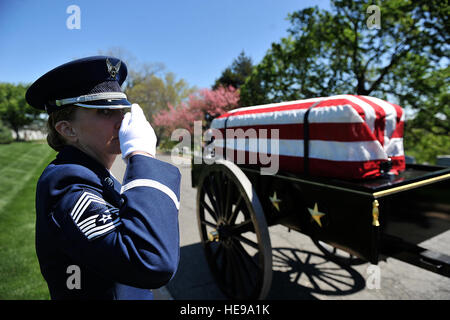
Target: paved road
{"points": [[300, 270]]}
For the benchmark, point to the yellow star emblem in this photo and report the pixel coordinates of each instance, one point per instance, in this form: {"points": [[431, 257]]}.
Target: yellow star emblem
{"points": [[316, 215], [275, 201]]}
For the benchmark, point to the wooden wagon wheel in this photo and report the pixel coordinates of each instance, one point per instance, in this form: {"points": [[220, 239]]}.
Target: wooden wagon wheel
{"points": [[234, 232]]}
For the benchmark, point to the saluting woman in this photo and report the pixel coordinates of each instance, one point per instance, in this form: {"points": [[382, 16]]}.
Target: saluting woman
{"points": [[118, 240]]}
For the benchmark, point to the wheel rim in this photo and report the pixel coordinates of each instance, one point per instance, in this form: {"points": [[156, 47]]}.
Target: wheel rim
{"points": [[234, 232]]}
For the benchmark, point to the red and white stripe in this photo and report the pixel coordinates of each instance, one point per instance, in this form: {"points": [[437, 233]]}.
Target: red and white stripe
{"points": [[349, 135]]}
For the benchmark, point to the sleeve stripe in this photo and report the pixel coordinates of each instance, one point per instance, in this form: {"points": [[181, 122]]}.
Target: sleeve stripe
{"points": [[82, 200], [87, 231], [86, 221], [83, 203], [103, 231], [152, 184], [75, 208]]}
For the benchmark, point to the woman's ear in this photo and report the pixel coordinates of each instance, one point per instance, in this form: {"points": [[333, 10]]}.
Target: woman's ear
{"points": [[66, 130]]}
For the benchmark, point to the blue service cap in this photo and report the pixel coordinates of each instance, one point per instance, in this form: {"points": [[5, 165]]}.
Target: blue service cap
{"points": [[92, 82]]}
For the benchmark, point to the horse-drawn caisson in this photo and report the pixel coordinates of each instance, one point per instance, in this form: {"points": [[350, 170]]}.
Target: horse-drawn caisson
{"points": [[332, 168]]}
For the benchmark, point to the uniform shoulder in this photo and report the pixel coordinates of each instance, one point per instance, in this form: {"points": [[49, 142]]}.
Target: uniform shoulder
{"points": [[60, 175]]}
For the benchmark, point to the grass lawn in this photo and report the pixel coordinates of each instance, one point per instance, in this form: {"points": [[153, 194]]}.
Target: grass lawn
{"points": [[21, 164]]}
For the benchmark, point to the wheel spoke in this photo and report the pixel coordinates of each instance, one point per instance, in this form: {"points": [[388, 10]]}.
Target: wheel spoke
{"points": [[213, 185], [210, 224], [247, 241], [217, 177], [243, 227], [245, 257], [211, 198], [208, 208], [237, 279], [250, 270], [236, 210], [228, 198]]}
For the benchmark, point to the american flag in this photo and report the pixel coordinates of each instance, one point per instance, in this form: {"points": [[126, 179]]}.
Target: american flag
{"points": [[350, 136]]}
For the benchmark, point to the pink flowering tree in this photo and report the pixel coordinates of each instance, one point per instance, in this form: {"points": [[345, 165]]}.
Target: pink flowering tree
{"points": [[204, 105], [174, 118], [212, 103]]}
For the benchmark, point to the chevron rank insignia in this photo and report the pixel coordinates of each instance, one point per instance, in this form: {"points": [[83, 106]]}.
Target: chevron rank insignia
{"points": [[94, 217]]}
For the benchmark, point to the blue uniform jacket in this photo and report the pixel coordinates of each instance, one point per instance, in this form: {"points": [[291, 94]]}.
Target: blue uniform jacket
{"points": [[96, 239]]}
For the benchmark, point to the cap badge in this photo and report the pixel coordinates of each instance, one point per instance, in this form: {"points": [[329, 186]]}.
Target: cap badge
{"points": [[113, 70]]}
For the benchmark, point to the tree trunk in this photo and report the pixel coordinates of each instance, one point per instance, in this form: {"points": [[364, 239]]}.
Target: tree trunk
{"points": [[361, 88], [16, 130]]}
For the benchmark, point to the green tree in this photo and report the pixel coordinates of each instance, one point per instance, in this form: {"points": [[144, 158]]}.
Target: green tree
{"points": [[334, 52], [405, 61], [236, 74], [426, 145], [429, 97], [154, 93], [5, 134], [14, 110]]}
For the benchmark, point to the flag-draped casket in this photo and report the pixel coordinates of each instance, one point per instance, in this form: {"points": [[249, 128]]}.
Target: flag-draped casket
{"points": [[345, 136]]}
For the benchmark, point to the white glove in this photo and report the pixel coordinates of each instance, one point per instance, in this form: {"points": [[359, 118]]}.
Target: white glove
{"points": [[136, 133]]}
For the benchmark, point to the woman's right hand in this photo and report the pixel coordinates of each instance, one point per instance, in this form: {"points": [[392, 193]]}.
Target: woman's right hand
{"points": [[136, 135]]}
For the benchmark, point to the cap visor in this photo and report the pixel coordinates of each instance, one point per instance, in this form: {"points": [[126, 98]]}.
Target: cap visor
{"points": [[106, 104]]}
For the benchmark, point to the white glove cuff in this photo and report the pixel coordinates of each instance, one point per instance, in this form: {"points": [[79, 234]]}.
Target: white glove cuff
{"points": [[138, 145]]}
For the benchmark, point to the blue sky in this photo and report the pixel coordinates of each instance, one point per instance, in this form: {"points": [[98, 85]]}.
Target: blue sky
{"points": [[195, 39]]}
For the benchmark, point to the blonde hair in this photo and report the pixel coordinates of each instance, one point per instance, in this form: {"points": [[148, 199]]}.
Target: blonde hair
{"points": [[54, 139]]}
